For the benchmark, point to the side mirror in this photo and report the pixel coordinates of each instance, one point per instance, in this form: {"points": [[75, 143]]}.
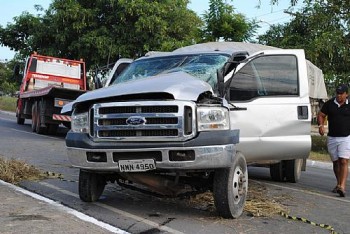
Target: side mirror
{"points": [[229, 66], [97, 82], [233, 62]]}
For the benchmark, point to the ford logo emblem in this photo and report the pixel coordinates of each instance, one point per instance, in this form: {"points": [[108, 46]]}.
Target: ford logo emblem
{"points": [[135, 120]]}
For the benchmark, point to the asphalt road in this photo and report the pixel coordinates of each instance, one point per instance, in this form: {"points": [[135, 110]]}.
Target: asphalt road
{"points": [[136, 212]]}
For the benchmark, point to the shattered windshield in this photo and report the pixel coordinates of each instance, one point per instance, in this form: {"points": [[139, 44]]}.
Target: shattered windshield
{"points": [[201, 66]]}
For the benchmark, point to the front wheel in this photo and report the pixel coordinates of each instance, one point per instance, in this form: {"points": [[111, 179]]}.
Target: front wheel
{"points": [[34, 116], [230, 188], [91, 186], [20, 120]]}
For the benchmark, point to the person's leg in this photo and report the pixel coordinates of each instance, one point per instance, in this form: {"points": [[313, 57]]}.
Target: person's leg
{"points": [[336, 171], [343, 172], [333, 153]]}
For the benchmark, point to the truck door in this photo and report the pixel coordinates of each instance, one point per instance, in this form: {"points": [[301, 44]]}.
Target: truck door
{"points": [[118, 67], [273, 114]]}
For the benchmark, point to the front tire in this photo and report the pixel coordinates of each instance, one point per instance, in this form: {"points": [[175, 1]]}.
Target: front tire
{"points": [[91, 186], [20, 120], [230, 188]]}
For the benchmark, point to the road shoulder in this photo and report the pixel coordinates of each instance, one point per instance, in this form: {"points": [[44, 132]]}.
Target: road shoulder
{"points": [[22, 211]]}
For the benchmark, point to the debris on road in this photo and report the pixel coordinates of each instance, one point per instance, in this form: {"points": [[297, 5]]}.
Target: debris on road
{"points": [[14, 171]]}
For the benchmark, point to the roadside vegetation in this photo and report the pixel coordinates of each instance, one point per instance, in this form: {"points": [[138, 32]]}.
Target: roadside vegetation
{"points": [[259, 202], [8, 103], [319, 149], [14, 171]]}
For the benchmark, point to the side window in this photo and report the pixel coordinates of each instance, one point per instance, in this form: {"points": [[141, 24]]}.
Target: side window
{"points": [[33, 65], [271, 75]]}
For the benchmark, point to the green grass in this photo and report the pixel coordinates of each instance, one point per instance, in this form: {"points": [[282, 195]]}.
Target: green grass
{"points": [[319, 149], [8, 103]]}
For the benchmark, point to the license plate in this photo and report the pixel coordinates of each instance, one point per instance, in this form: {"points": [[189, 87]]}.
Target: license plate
{"points": [[136, 165]]}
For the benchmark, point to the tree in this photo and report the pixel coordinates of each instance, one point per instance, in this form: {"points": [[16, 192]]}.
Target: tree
{"points": [[221, 22], [322, 29], [7, 84], [100, 31]]}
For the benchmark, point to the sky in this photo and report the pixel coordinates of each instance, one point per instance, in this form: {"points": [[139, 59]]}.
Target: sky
{"points": [[266, 14]]}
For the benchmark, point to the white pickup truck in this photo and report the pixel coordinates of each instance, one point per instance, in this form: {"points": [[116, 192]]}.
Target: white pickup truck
{"points": [[191, 120]]}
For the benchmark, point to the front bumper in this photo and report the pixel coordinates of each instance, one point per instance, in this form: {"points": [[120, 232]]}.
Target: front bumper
{"points": [[205, 158], [211, 150]]}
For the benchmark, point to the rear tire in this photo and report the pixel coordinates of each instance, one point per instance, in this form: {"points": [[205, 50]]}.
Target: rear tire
{"points": [[230, 188], [277, 171], [39, 120], [91, 186], [293, 170], [34, 116]]}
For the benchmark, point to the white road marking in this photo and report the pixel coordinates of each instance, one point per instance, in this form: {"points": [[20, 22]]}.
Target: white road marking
{"points": [[5, 119], [118, 211], [76, 213], [32, 133]]}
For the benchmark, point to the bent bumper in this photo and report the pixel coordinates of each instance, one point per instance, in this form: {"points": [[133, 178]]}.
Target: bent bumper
{"points": [[205, 157]]}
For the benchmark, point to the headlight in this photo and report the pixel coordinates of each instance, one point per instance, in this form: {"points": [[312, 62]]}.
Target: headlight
{"points": [[213, 118], [80, 122]]}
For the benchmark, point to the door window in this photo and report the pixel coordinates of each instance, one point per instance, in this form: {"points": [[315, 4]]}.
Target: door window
{"points": [[271, 75]]}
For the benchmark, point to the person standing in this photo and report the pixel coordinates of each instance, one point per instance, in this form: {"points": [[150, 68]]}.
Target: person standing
{"points": [[337, 110]]}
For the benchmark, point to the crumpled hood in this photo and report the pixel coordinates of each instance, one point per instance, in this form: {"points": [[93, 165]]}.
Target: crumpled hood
{"points": [[180, 84]]}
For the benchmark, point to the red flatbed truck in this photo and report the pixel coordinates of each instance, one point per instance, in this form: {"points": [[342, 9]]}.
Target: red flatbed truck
{"points": [[48, 84]]}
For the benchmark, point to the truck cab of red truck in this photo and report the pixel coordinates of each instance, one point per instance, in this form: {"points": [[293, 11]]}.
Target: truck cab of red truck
{"points": [[48, 84]]}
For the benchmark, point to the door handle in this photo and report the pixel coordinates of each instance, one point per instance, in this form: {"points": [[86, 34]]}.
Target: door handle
{"points": [[236, 108]]}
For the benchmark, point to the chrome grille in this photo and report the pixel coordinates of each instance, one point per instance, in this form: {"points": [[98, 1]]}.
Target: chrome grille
{"points": [[138, 109], [143, 121]]}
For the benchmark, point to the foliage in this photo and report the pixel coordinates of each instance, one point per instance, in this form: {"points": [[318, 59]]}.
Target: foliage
{"points": [[322, 29], [319, 144], [292, 2], [14, 171], [222, 23], [7, 85], [101, 31], [319, 150]]}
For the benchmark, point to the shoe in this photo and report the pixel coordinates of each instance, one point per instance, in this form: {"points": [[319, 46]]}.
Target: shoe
{"points": [[335, 190], [341, 192]]}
